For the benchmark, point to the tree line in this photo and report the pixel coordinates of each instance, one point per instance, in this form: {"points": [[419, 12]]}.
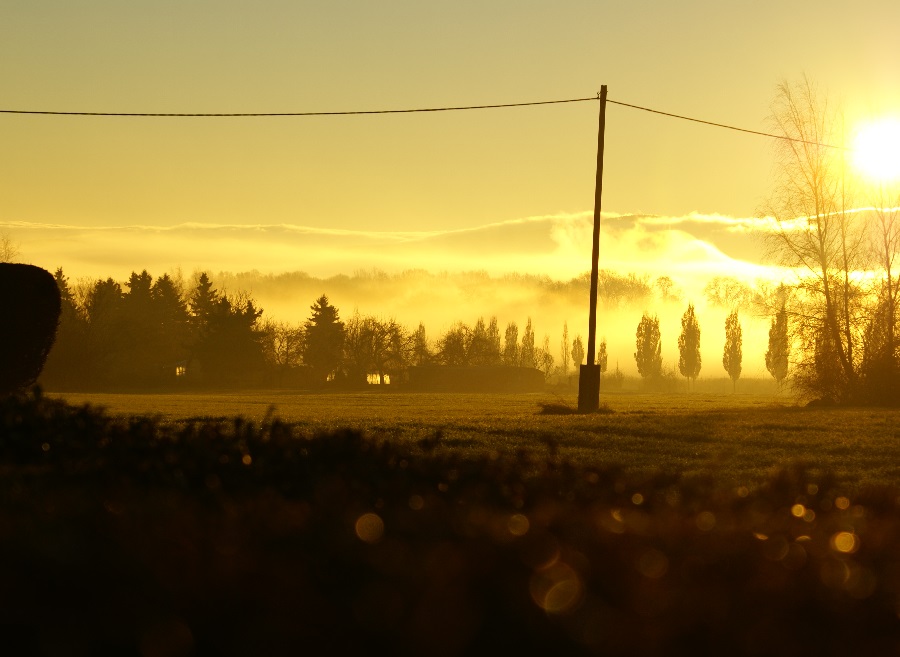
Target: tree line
{"points": [[156, 333], [153, 333]]}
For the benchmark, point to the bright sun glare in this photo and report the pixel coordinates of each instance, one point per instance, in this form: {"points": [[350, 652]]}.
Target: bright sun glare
{"points": [[876, 150]]}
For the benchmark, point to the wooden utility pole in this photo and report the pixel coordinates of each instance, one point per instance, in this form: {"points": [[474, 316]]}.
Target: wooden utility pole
{"points": [[589, 375]]}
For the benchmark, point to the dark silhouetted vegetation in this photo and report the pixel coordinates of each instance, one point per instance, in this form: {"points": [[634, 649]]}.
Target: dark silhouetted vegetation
{"points": [[689, 361], [842, 323], [779, 351], [31, 311], [733, 352], [229, 537], [648, 347]]}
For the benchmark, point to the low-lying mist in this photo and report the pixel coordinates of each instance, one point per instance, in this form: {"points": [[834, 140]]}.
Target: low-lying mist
{"points": [[441, 300]]}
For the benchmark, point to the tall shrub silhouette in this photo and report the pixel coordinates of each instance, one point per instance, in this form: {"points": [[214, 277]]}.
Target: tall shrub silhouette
{"points": [[31, 303]]}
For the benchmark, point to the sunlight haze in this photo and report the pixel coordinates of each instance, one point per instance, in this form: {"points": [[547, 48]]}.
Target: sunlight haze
{"points": [[498, 190]]}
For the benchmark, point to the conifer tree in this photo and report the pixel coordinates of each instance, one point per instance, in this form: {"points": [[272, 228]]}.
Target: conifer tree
{"points": [[324, 339]]}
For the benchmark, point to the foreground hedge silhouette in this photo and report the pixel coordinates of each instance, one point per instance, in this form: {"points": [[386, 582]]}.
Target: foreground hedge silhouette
{"points": [[30, 303], [220, 536]]}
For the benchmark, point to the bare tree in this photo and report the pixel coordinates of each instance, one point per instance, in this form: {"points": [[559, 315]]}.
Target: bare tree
{"points": [[282, 344], [814, 233], [9, 250]]}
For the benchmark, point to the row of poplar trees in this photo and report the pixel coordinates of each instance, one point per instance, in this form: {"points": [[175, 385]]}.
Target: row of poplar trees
{"points": [[648, 351]]}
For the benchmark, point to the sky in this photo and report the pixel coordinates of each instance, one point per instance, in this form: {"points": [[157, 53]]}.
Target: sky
{"points": [[497, 190]]}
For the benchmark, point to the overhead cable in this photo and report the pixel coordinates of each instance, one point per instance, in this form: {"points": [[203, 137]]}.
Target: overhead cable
{"points": [[413, 111], [341, 113], [729, 127]]}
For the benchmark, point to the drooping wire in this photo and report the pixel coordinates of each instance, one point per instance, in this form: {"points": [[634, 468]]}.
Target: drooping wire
{"points": [[729, 127], [262, 114], [416, 110]]}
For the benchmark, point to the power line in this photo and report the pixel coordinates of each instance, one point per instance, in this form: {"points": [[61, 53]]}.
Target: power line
{"points": [[416, 110], [729, 127], [261, 114]]}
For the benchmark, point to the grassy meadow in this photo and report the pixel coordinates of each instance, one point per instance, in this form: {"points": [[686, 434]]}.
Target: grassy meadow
{"points": [[739, 439]]}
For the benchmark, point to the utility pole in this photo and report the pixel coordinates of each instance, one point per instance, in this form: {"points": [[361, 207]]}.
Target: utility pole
{"points": [[589, 375]]}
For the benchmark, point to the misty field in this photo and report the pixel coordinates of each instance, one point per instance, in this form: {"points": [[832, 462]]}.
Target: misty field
{"points": [[737, 439]]}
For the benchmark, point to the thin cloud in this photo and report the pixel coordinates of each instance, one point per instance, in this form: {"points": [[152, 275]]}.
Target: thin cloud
{"points": [[554, 245]]}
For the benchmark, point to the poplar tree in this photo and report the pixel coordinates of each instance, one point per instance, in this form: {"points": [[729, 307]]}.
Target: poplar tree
{"points": [[779, 347], [511, 345], [648, 354], [731, 359], [689, 360], [577, 351], [526, 352], [602, 357]]}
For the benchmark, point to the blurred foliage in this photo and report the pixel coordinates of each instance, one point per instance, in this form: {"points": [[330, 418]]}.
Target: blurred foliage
{"points": [[231, 537]]}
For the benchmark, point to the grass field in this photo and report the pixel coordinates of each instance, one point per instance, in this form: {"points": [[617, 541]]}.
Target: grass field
{"points": [[738, 439]]}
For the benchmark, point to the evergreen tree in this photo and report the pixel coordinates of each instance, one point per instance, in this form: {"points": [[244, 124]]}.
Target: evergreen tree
{"points": [[67, 362], [138, 364], [104, 343], [231, 348], [779, 347], [324, 339], [689, 345], [564, 352], [648, 354], [170, 313], [201, 302], [731, 359]]}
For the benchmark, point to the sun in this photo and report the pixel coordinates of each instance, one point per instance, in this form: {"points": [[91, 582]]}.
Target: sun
{"points": [[876, 150]]}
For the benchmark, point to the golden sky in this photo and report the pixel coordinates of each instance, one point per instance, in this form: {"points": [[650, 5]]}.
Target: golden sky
{"points": [[102, 194]]}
